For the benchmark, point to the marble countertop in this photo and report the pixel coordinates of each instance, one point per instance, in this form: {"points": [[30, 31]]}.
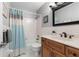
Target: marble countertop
{"points": [[70, 42]]}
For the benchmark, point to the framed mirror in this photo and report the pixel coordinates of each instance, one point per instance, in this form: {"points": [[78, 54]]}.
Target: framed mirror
{"points": [[66, 14]]}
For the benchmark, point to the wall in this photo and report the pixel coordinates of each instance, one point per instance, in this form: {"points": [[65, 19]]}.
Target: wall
{"points": [[1, 23], [4, 21], [6, 6], [3, 52], [44, 10]]}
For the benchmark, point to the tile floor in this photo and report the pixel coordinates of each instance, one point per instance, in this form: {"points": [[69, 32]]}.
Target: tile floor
{"points": [[30, 53]]}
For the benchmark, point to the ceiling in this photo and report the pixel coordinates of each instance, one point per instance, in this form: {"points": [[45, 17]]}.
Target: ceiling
{"points": [[28, 6]]}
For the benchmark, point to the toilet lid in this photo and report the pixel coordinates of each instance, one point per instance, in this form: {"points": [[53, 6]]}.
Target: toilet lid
{"points": [[36, 45]]}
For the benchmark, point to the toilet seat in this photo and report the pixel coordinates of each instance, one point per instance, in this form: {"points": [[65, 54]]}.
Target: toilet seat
{"points": [[36, 45]]}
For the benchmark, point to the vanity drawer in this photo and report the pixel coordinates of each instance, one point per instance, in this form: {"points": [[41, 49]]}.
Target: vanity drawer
{"points": [[55, 45], [72, 52]]}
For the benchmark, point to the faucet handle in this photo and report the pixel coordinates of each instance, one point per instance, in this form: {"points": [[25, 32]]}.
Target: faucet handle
{"points": [[53, 31], [61, 35], [71, 36]]}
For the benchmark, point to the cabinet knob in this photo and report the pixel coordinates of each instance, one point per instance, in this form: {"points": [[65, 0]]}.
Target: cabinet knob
{"points": [[74, 54]]}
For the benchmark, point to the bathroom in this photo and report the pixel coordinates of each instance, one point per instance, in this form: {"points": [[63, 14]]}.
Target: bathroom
{"points": [[41, 34]]}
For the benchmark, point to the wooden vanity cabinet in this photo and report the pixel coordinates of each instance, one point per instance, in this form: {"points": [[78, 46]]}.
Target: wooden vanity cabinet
{"points": [[52, 48]]}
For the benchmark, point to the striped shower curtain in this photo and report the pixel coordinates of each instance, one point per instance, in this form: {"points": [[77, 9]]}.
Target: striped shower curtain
{"points": [[17, 41]]}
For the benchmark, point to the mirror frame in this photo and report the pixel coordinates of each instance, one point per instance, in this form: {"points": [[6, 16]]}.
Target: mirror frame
{"points": [[59, 7]]}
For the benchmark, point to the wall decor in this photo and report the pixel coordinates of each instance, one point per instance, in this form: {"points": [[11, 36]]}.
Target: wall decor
{"points": [[45, 19]]}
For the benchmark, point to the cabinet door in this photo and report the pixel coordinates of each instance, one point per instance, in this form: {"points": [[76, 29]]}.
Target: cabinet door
{"points": [[56, 54], [46, 52], [45, 48]]}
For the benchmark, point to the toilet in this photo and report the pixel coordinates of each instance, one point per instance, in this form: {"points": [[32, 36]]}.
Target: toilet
{"points": [[36, 48]]}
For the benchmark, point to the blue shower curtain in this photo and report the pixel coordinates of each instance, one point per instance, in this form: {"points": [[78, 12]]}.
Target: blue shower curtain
{"points": [[16, 29]]}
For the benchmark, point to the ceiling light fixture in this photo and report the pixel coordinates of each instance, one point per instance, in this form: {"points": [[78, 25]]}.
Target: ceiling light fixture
{"points": [[55, 4]]}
